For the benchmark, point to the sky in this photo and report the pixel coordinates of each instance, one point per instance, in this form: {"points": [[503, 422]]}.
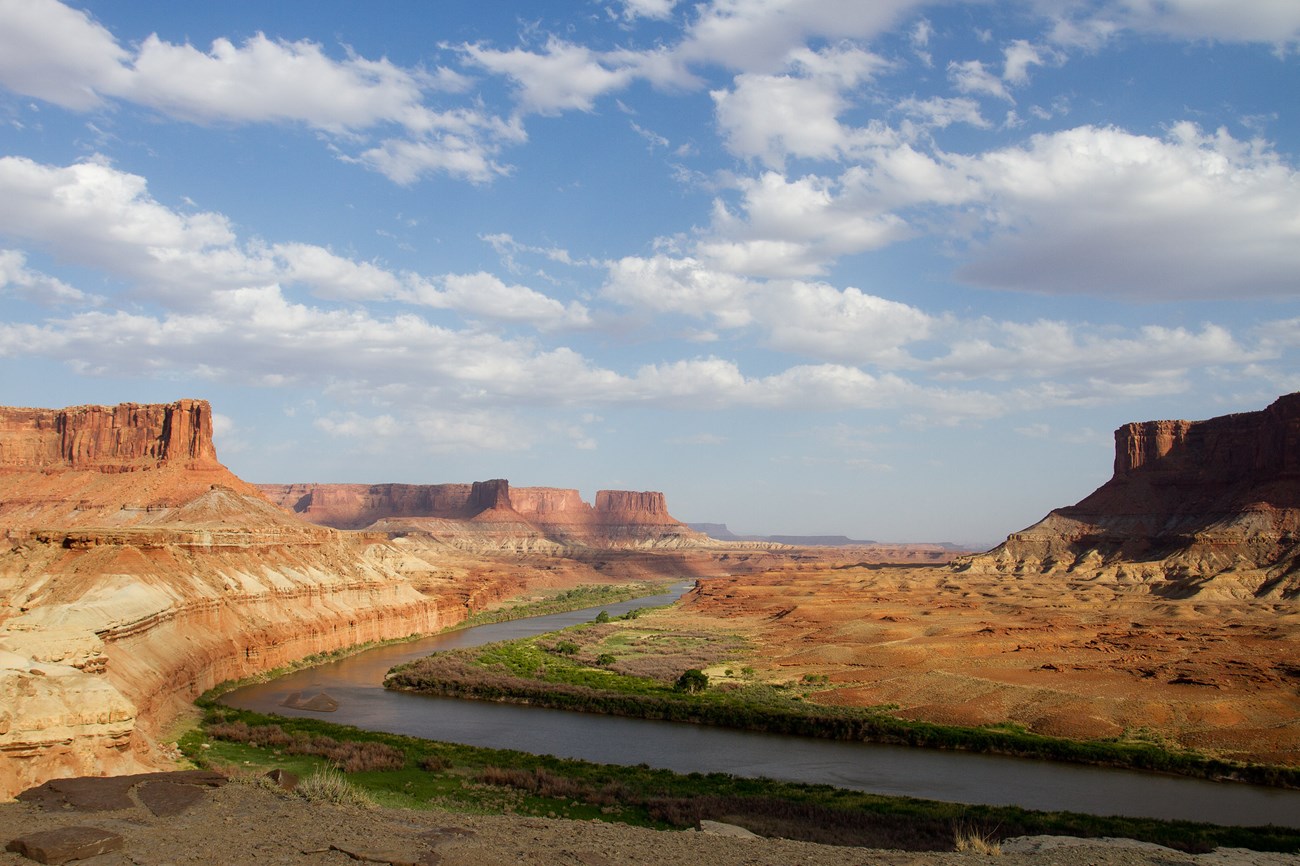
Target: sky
{"points": [[892, 269]]}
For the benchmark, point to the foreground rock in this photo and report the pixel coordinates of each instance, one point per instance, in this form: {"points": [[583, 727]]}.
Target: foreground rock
{"points": [[240, 824], [1197, 507]]}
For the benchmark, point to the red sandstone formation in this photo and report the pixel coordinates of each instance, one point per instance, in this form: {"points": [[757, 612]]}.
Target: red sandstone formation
{"points": [[105, 465], [1189, 501], [491, 514]]}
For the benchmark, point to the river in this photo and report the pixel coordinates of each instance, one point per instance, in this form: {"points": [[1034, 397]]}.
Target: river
{"points": [[356, 683]]}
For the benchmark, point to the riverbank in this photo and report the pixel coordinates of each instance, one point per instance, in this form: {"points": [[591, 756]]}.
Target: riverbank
{"points": [[414, 773]]}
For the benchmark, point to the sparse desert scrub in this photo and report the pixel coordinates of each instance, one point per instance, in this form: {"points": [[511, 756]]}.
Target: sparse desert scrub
{"points": [[328, 785]]}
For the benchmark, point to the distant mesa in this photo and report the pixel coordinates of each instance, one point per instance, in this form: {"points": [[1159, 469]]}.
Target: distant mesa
{"points": [[1189, 500], [473, 515]]}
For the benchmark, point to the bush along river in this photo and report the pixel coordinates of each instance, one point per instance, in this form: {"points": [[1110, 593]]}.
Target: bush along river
{"points": [[350, 691]]}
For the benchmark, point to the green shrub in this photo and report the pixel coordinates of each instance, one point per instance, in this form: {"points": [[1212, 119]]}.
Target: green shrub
{"points": [[691, 681]]}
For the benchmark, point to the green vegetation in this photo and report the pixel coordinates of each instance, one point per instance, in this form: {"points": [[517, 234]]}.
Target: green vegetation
{"points": [[465, 778], [649, 677], [587, 595]]}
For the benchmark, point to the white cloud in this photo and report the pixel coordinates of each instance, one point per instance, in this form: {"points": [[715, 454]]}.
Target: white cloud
{"points": [[942, 112], [1019, 56], [759, 35], [970, 76], [818, 320], [1054, 349], [61, 55], [565, 76], [1090, 26], [657, 9], [770, 117], [485, 295], [679, 285], [58, 54], [793, 228], [1105, 212], [16, 279], [91, 214]]}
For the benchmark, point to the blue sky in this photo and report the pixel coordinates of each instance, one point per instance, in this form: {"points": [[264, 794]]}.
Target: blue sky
{"points": [[893, 269]]}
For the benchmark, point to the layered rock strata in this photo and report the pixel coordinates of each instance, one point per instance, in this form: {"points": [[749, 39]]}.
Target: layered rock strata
{"points": [[491, 515], [136, 572], [1200, 505]]}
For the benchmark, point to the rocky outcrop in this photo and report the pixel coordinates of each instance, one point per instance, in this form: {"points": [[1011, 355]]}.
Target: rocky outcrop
{"points": [[491, 515], [1196, 505], [106, 465]]}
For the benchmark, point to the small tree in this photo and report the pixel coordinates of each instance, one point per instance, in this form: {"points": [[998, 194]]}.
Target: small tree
{"points": [[566, 647], [605, 659], [691, 681], [603, 616]]}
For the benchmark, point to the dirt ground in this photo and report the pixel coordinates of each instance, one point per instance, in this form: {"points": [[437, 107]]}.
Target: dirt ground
{"points": [[1061, 654], [244, 824]]}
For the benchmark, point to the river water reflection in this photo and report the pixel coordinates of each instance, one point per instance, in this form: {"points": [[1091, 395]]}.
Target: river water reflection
{"points": [[356, 683]]}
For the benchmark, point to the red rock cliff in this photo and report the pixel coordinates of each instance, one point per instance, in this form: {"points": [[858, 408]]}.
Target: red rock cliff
{"points": [[105, 465], [107, 438], [1188, 500]]}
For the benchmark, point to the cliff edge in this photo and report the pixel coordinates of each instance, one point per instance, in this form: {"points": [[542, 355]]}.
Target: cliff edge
{"points": [[1200, 506]]}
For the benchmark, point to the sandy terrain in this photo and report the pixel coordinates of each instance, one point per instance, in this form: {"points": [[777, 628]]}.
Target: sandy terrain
{"points": [[1060, 654]]}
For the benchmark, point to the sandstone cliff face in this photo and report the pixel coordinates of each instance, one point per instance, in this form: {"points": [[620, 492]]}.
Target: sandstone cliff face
{"points": [[118, 438], [1201, 506], [491, 515], [136, 571], [106, 465]]}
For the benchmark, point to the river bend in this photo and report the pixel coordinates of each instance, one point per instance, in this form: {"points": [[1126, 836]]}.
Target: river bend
{"points": [[357, 684]]}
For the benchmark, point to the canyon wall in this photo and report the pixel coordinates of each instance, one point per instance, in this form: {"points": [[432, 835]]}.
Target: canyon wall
{"points": [[1198, 505], [488, 515], [136, 572]]}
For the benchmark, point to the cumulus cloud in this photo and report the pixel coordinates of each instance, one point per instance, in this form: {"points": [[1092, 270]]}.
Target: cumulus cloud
{"points": [[18, 280], [793, 228], [770, 117], [664, 284], [1101, 211], [63, 56], [818, 320], [759, 35], [1089, 210], [93, 215], [485, 295]]}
